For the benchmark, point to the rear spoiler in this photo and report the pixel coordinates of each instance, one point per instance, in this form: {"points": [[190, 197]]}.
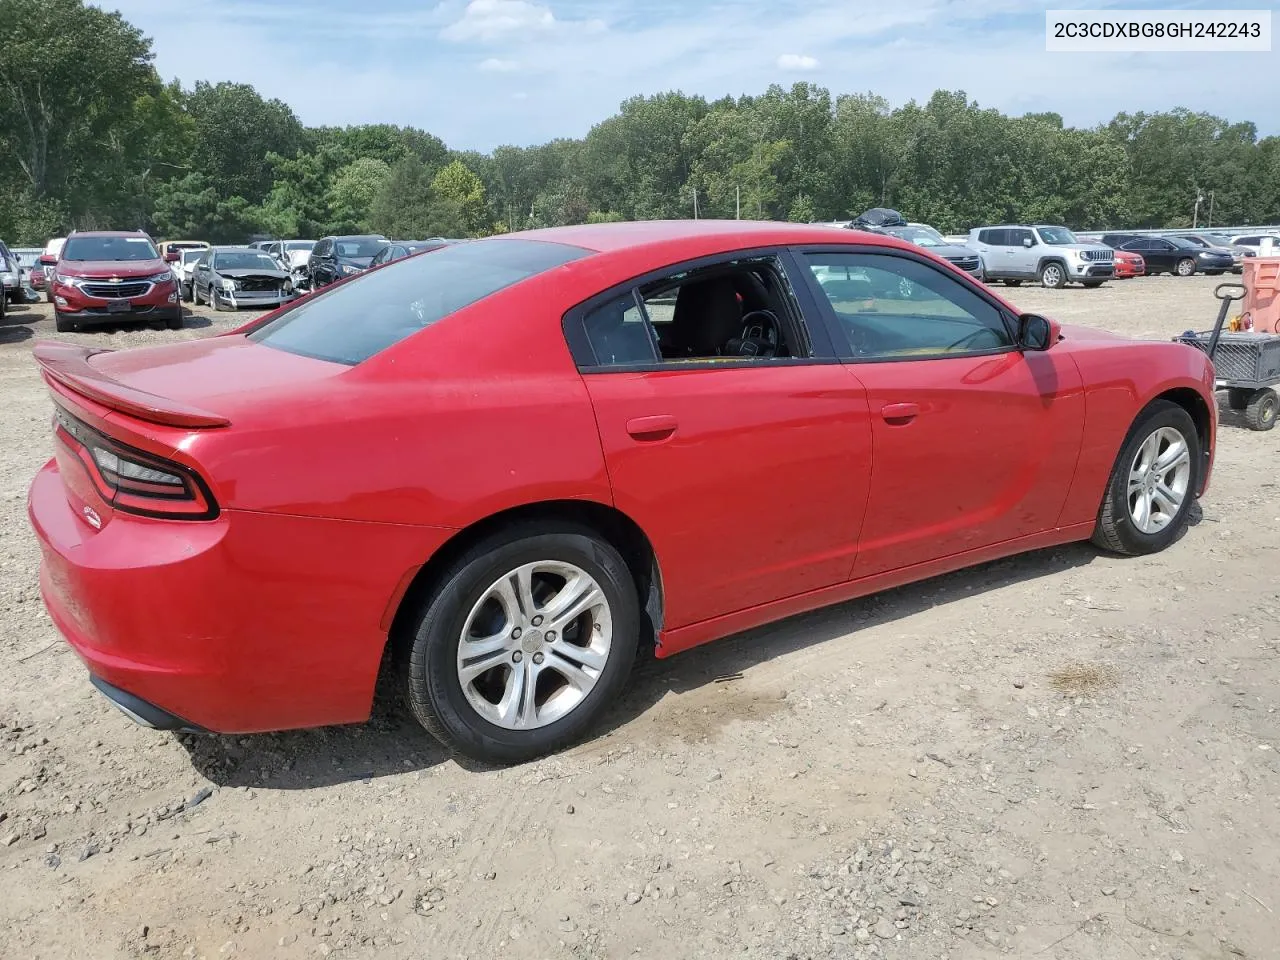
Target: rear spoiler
{"points": [[68, 365]]}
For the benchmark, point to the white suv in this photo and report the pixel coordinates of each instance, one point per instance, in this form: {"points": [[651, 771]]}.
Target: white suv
{"points": [[1050, 254]]}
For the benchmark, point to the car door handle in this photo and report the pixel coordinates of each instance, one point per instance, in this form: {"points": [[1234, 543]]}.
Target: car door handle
{"points": [[900, 413], [650, 429]]}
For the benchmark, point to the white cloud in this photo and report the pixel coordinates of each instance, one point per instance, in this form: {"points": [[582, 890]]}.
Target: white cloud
{"points": [[490, 20], [797, 61], [494, 65]]}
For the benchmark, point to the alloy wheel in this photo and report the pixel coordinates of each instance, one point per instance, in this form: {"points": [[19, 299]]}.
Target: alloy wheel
{"points": [[1051, 276], [1159, 479], [534, 645]]}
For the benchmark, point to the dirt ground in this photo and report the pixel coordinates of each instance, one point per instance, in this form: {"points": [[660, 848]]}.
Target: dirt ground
{"points": [[1061, 755]]}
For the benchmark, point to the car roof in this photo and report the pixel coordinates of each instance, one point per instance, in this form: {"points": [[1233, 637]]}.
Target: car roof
{"points": [[107, 233], [611, 237]]}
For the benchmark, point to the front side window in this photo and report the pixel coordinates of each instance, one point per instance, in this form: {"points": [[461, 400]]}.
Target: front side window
{"points": [[109, 248], [1020, 238], [891, 307], [741, 310], [354, 320]]}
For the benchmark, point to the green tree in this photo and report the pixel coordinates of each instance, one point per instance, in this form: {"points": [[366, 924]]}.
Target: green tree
{"points": [[71, 76], [236, 132], [352, 193], [458, 187]]}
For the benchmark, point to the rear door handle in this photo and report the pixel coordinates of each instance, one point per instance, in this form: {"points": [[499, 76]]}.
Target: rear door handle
{"points": [[900, 413], [652, 428]]}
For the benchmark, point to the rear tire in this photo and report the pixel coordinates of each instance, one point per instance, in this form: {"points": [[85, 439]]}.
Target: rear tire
{"points": [[429, 660], [1118, 528], [1261, 411]]}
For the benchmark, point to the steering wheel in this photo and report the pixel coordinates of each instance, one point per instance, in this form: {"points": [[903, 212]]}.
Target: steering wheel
{"points": [[966, 341], [760, 336]]}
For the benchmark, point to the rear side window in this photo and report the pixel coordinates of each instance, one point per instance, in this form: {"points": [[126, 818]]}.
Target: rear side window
{"points": [[363, 316]]}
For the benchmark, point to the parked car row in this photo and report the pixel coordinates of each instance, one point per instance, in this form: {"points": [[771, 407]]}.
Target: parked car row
{"points": [[1054, 256]]}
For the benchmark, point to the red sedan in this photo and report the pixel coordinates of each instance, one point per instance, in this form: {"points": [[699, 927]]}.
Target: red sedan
{"points": [[1129, 264], [511, 463]]}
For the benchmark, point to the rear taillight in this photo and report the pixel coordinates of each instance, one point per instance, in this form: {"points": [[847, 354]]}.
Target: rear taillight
{"points": [[132, 480]]}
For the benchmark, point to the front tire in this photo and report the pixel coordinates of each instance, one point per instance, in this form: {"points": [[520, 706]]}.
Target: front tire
{"points": [[1053, 275], [525, 643], [1153, 483], [216, 301], [63, 324], [1186, 267]]}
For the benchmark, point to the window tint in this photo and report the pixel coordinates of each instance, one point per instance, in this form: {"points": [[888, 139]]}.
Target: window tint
{"points": [[356, 319], [358, 247], [109, 248], [1160, 246], [996, 238], [893, 307], [738, 310], [618, 333], [1019, 237]]}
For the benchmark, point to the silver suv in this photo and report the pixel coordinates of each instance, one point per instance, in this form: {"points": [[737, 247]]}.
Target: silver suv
{"points": [[1050, 254]]}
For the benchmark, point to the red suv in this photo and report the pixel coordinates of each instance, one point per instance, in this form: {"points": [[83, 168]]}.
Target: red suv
{"points": [[109, 276]]}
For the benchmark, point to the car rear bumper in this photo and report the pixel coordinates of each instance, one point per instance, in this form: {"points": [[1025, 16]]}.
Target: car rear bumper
{"points": [[246, 623]]}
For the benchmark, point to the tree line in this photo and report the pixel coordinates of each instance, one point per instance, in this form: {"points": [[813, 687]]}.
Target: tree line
{"points": [[91, 137]]}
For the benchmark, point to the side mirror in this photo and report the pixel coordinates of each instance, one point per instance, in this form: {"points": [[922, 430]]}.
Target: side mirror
{"points": [[1037, 333], [173, 256], [1026, 242]]}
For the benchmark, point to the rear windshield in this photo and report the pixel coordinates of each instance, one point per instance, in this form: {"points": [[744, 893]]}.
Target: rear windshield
{"points": [[109, 248], [369, 313]]}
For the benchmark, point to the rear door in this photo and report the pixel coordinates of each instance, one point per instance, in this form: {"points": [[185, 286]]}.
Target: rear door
{"points": [[974, 442], [994, 251], [745, 457]]}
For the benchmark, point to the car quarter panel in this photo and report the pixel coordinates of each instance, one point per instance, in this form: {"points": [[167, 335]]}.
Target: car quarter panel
{"points": [[1120, 378]]}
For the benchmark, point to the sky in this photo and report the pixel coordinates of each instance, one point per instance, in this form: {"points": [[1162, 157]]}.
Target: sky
{"points": [[480, 73]]}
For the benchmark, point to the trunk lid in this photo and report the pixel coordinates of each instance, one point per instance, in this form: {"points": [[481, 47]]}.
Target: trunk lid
{"points": [[193, 384]]}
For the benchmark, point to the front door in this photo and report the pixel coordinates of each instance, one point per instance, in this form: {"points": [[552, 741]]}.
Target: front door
{"points": [[744, 457], [1023, 255], [974, 442]]}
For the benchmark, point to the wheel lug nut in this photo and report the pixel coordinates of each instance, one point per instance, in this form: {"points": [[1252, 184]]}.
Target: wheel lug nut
{"points": [[537, 658], [551, 636], [537, 621], [515, 634], [517, 657]]}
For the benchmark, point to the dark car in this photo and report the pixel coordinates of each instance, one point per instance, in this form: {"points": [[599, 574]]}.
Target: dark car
{"points": [[399, 249], [1218, 244], [1171, 254], [333, 258], [228, 278]]}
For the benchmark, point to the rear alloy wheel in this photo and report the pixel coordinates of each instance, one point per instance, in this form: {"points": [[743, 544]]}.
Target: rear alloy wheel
{"points": [[1260, 414], [1153, 483], [1186, 267], [527, 640], [1053, 275]]}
